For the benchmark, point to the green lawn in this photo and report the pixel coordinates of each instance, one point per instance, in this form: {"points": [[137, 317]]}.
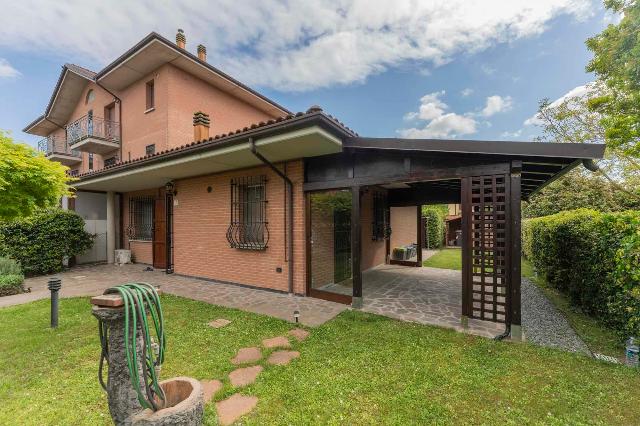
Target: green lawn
{"points": [[447, 258], [599, 338], [357, 369]]}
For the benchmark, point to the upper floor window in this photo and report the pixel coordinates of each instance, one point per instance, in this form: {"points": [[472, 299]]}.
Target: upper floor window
{"points": [[90, 96], [91, 161], [150, 149], [151, 102]]}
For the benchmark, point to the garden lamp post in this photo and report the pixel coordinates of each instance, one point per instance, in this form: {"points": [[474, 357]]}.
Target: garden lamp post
{"points": [[54, 285]]}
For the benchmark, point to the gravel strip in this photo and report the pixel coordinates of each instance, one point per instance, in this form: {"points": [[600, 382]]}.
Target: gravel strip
{"points": [[544, 325]]}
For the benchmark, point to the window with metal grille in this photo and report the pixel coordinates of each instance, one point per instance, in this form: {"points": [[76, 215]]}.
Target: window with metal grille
{"points": [[110, 161], [380, 223], [91, 161], [150, 149], [140, 218], [248, 227]]}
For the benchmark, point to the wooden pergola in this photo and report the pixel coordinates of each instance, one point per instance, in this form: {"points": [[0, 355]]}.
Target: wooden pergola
{"points": [[488, 178]]}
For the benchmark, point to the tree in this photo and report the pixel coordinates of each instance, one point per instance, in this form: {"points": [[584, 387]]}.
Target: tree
{"points": [[579, 190], [616, 63], [28, 181]]}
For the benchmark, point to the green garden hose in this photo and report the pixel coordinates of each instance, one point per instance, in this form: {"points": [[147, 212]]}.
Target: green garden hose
{"points": [[138, 298]]}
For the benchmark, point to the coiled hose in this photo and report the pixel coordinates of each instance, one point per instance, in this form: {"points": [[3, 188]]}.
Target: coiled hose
{"points": [[138, 298]]}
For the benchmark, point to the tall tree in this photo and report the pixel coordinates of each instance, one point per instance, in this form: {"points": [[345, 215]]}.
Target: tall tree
{"points": [[28, 181], [616, 63]]}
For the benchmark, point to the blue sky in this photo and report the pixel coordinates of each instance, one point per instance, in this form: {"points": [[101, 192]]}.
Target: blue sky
{"points": [[412, 71]]}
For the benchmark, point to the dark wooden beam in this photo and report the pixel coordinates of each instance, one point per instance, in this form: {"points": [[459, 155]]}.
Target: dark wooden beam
{"points": [[356, 241], [515, 247], [420, 232]]}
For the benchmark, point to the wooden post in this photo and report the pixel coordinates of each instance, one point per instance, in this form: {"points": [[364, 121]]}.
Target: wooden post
{"points": [[420, 233], [356, 235], [515, 247], [465, 198]]}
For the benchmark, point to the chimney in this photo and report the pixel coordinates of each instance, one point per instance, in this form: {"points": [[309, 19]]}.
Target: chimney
{"points": [[202, 53], [181, 40], [200, 126]]}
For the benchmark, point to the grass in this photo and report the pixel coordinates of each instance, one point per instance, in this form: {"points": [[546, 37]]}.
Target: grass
{"points": [[447, 258], [598, 338], [356, 369]]}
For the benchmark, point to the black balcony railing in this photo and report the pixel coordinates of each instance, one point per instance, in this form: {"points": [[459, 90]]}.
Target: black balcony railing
{"points": [[52, 145], [93, 127]]}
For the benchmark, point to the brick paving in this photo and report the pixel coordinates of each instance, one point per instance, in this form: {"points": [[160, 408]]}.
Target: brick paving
{"points": [[422, 295], [94, 279]]}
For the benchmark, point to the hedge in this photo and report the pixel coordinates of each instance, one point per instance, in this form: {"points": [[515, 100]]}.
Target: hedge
{"points": [[41, 242], [11, 277], [434, 215], [593, 258]]}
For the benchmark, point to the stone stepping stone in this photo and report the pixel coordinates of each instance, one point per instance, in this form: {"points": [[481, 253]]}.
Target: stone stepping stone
{"points": [[282, 357], [234, 407], [219, 323], [244, 376], [247, 356], [276, 342], [299, 333], [209, 388]]}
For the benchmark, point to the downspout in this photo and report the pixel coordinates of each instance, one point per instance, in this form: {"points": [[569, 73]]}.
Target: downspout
{"points": [[289, 227], [119, 101]]}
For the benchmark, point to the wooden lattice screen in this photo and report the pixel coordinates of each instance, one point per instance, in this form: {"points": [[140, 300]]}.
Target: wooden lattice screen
{"points": [[486, 254]]}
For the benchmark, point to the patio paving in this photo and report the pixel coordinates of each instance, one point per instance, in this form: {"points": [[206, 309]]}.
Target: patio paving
{"points": [[421, 295], [91, 280]]}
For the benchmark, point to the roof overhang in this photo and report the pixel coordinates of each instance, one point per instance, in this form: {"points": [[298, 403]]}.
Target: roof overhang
{"points": [[154, 51], [294, 144], [63, 102], [542, 162]]}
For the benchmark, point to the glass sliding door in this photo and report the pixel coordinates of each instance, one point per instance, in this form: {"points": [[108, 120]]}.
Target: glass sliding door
{"points": [[331, 276]]}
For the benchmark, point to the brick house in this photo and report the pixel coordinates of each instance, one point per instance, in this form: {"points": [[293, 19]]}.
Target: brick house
{"points": [[200, 175]]}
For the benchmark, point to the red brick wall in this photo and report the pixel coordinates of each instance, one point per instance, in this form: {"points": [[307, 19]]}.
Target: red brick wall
{"points": [[403, 226], [201, 220]]}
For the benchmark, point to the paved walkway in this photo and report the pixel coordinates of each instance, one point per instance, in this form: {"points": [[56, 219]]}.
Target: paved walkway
{"points": [[422, 295], [94, 279]]}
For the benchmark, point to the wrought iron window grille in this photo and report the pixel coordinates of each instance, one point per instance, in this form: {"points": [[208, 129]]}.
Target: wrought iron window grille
{"points": [[380, 225], [249, 227], [141, 218]]}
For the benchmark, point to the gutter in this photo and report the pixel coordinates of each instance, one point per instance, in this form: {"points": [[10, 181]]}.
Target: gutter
{"points": [[289, 212]]}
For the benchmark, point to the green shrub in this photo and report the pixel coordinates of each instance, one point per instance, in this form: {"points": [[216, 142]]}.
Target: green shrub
{"points": [[11, 284], [434, 217], [592, 257], [9, 267], [41, 242]]}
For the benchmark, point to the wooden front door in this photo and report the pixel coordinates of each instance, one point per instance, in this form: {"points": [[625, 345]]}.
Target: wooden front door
{"points": [[160, 231]]}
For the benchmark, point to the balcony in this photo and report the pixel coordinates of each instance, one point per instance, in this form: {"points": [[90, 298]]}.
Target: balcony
{"points": [[56, 149], [94, 134]]}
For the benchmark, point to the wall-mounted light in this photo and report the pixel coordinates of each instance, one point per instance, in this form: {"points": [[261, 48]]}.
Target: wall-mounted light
{"points": [[170, 187]]}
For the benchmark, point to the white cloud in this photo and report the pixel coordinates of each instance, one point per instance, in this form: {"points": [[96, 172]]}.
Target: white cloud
{"points": [[512, 135], [496, 104], [575, 93], [437, 123], [466, 92], [6, 70], [284, 44], [487, 69]]}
